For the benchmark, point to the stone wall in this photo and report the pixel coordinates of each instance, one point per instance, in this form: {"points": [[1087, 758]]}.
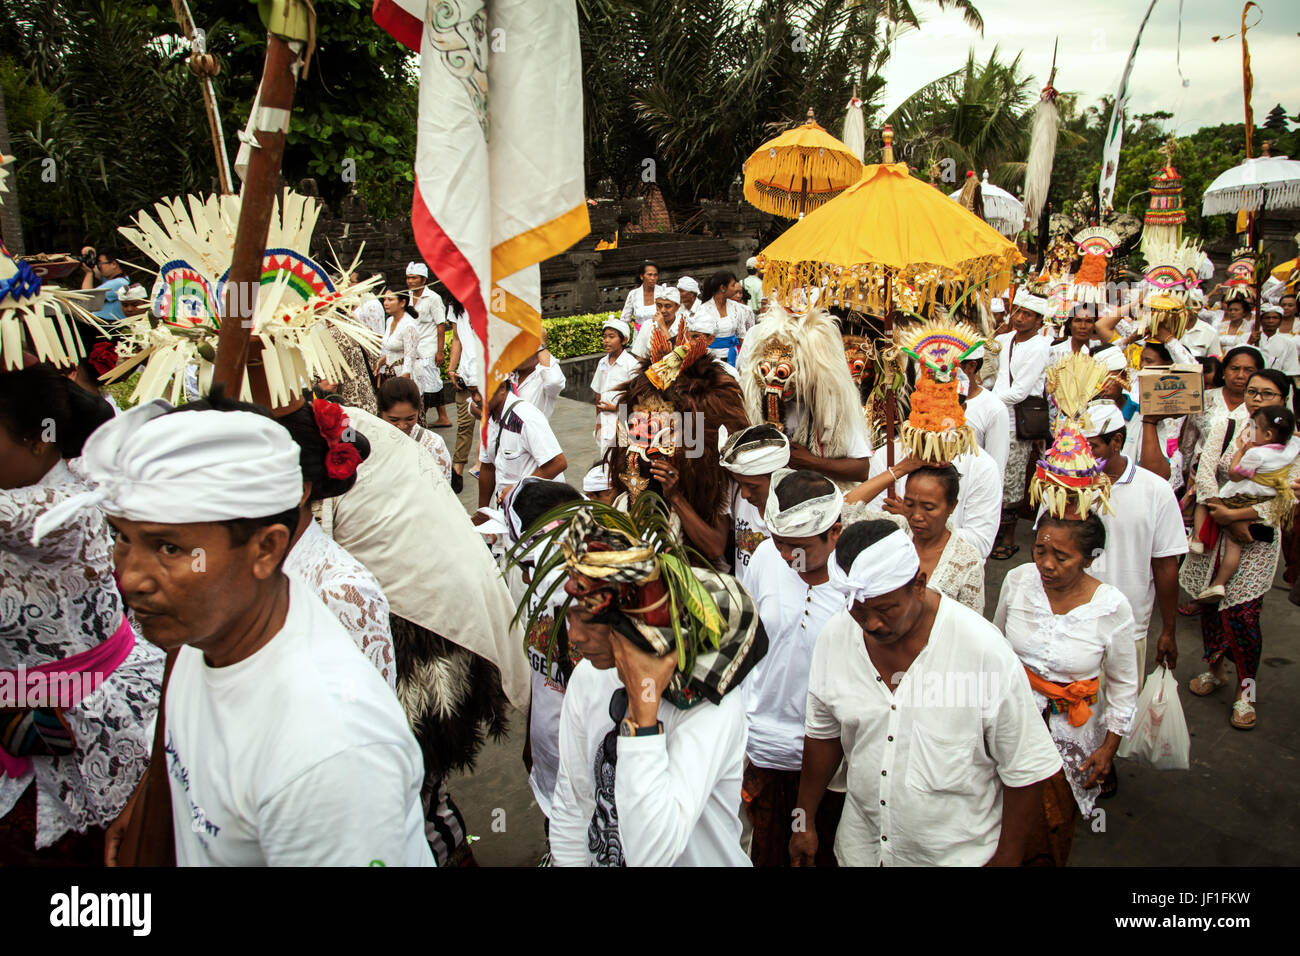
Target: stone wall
{"points": [[577, 281]]}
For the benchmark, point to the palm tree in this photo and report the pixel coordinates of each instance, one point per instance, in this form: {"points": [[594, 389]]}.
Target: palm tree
{"points": [[979, 116]]}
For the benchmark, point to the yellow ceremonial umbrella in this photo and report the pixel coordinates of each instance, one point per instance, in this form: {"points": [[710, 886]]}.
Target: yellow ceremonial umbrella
{"points": [[1285, 273], [799, 171], [889, 240]]}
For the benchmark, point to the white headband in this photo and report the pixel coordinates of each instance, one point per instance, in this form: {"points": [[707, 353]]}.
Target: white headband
{"points": [[977, 354], [148, 465], [596, 480], [619, 326], [700, 322], [417, 269], [756, 456], [1034, 303], [996, 306], [670, 293], [1104, 417], [687, 284], [885, 566], [1112, 357], [807, 518]]}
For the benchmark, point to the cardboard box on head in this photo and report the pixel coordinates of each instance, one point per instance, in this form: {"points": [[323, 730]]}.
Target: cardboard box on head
{"points": [[1171, 390]]}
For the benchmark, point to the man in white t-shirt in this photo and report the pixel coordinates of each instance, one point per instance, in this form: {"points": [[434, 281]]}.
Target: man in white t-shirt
{"points": [[615, 370], [651, 749], [539, 379], [668, 314], [929, 709], [519, 443], [1145, 537], [986, 414], [790, 584], [547, 647], [283, 744], [750, 456]]}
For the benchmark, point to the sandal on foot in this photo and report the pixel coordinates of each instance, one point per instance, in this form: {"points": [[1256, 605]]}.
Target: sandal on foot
{"points": [[1243, 715], [1004, 551], [1191, 609], [1205, 684], [1211, 595]]}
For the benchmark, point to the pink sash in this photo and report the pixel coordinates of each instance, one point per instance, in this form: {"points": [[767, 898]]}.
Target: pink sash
{"points": [[97, 663]]}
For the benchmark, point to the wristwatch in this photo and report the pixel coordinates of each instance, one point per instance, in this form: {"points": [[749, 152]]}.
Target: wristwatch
{"points": [[628, 728]]}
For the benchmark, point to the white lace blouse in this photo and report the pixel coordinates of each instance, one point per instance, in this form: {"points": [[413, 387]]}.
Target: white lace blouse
{"points": [[959, 573], [55, 601], [351, 593], [1094, 638], [432, 442]]}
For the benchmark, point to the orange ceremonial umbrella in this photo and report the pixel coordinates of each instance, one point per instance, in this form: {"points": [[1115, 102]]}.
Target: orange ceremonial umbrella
{"points": [[799, 171]]}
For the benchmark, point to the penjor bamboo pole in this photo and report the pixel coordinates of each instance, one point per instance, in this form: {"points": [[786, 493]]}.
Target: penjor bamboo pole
{"points": [[269, 125], [890, 398]]}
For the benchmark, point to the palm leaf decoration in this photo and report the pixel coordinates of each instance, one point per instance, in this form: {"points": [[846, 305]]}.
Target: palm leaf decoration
{"points": [[650, 549]]}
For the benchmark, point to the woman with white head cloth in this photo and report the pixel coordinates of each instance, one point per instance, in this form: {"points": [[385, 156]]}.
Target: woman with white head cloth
{"points": [[66, 771], [1068, 629], [931, 713], [284, 745], [667, 318], [689, 290]]}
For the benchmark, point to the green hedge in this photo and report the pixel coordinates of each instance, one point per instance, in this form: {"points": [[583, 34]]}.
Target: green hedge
{"points": [[568, 336]]}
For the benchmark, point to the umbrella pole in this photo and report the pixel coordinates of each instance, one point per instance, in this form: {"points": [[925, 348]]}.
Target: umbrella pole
{"points": [[803, 195], [889, 394]]}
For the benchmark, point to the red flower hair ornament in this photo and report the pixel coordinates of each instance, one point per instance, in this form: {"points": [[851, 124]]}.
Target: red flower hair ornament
{"points": [[342, 457]]}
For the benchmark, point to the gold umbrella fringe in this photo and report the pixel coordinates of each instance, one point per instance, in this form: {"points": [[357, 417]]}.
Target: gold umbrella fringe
{"points": [[865, 287], [937, 448], [781, 202], [791, 164]]}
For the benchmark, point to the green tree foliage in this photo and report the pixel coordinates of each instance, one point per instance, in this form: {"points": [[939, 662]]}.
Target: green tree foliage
{"points": [[99, 92]]}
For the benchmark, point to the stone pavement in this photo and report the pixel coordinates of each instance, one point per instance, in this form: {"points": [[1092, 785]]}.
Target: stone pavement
{"points": [[1237, 805]]}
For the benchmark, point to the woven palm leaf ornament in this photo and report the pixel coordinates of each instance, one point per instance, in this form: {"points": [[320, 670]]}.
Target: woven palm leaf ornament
{"points": [[632, 571], [1068, 481], [192, 241], [1171, 273], [47, 314], [936, 429]]}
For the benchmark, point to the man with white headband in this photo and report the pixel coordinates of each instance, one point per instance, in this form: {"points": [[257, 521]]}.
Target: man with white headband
{"points": [[750, 456], [595, 484], [689, 290], [1022, 374], [1279, 349], [932, 714], [752, 284], [790, 584], [1145, 539], [612, 372], [284, 745], [667, 318], [431, 321]]}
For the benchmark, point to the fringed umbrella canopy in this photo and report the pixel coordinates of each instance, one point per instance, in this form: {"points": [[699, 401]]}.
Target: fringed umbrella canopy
{"points": [[1002, 210], [1267, 182], [800, 170], [886, 241]]}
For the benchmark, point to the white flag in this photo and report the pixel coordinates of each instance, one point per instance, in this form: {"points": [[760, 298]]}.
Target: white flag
{"points": [[1115, 131], [498, 165]]}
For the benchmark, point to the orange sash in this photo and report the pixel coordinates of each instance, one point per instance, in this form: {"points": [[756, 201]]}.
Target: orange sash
{"points": [[1074, 696]]}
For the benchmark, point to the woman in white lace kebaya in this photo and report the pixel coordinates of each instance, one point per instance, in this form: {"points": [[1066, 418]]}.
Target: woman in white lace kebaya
{"points": [[951, 564], [66, 772], [344, 585], [1068, 629], [400, 346], [399, 405]]}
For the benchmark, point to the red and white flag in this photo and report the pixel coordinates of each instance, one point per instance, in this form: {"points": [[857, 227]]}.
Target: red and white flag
{"points": [[498, 163]]}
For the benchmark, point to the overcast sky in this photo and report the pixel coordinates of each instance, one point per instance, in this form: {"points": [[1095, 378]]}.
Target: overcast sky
{"points": [[1096, 36]]}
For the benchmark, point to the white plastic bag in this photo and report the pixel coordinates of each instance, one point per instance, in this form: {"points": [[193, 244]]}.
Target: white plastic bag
{"points": [[1159, 738]]}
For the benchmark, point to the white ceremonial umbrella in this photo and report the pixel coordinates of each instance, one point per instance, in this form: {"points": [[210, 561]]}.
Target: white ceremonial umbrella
{"points": [[1267, 182], [1003, 211]]}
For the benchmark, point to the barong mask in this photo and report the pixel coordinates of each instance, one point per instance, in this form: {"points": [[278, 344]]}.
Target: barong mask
{"points": [[860, 356], [648, 434], [629, 570], [776, 370]]}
